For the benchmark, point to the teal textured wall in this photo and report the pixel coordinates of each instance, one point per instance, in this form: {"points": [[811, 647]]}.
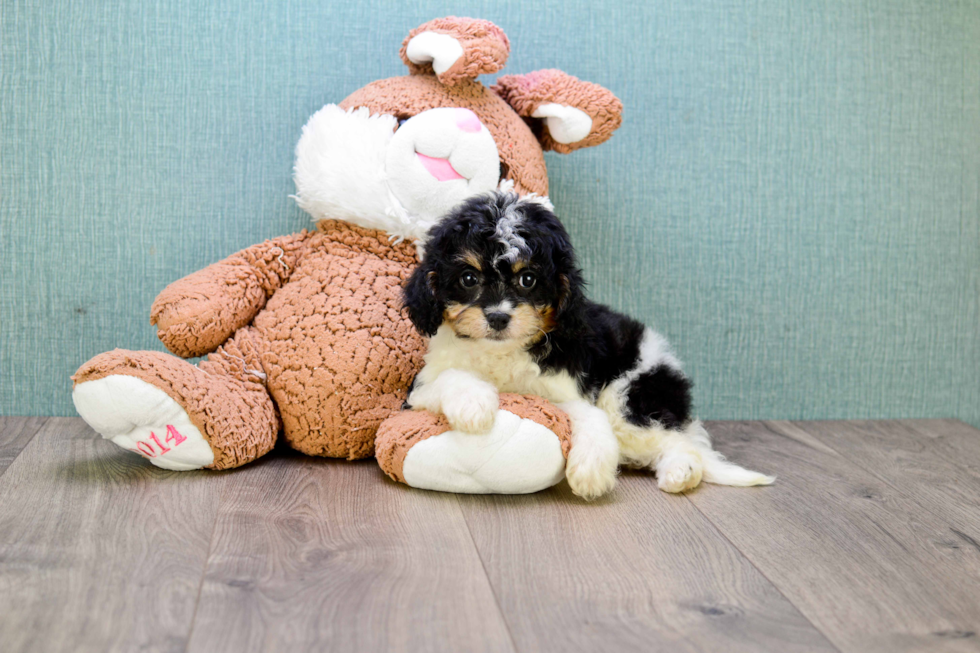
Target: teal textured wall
{"points": [[793, 198]]}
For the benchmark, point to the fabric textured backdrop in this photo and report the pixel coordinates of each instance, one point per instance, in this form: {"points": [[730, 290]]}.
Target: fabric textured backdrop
{"points": [[793, 198]]}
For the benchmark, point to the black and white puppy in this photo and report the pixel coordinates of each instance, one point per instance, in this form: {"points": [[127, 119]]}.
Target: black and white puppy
{"points": [[501, 296]]}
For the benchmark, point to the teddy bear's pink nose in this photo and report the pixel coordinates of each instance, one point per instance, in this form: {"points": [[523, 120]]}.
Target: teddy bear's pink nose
{"points": [[467, 120]]}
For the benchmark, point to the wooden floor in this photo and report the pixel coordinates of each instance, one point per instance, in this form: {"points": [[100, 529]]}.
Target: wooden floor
{"points": [[869, 541]]}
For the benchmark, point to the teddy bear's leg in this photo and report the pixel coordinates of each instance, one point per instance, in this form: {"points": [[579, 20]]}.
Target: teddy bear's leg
{"points": [[180, 416], [523, 452]]}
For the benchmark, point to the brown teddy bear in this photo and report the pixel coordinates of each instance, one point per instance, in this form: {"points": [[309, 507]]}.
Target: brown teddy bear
{"points": [[305, 334]]}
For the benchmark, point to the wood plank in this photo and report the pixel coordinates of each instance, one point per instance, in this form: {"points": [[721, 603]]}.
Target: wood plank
{"points": [[99, 551], [15, 433], [639, 570], [957, 442], [859, 557], [928, 462], [330, 555]]}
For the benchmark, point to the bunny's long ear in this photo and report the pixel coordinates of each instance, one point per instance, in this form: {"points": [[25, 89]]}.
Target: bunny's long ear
{"points": [[574, 114], [455, 49]]}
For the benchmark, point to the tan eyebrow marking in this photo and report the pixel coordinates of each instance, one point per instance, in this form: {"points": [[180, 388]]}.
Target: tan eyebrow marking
{"points": [[453, 311], [517, 266], [471, 259]]}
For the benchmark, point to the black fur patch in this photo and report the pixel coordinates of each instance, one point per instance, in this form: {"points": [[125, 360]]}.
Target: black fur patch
{"points": [[591, 342], [424, 307], [659, 395]]}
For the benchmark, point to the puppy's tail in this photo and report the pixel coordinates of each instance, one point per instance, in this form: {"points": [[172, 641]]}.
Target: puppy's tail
{"points": [[720, 471]]}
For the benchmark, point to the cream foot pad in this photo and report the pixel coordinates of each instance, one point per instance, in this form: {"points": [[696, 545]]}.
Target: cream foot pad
{"points": [[524, 452], [144, 419]]}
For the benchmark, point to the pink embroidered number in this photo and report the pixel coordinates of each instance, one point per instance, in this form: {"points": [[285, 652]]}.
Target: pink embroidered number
{"points": [[173, 438]]}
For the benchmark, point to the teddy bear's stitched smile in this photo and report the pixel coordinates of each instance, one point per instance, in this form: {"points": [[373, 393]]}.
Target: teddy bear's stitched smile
{"points": [[441, 169]]}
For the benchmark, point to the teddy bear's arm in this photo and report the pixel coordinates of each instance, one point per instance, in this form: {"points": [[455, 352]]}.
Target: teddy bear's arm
{"points": [[198, 313], [455, 49], [575, 114]]}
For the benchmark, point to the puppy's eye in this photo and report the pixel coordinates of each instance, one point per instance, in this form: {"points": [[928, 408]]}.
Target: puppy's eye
{"points": [[527, 280], [468, 280]]}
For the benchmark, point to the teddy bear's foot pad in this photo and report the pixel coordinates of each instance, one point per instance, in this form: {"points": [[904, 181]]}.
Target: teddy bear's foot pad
{"points": [[142, 418], [523, 452], [516, 456]]}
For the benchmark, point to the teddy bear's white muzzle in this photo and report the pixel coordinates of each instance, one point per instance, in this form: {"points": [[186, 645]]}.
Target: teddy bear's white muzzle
{"points": [[439, 158]]}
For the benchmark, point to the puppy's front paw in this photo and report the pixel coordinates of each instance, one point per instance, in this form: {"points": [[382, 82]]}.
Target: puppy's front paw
{"points": [[472, 409], [589, 475]]}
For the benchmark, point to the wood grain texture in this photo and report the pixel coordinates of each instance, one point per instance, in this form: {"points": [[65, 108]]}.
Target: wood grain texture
{"points": [[327, 555], [934, 463], [864, 557], [869, 541], [638, 571], [15, 433], [99, 551]]}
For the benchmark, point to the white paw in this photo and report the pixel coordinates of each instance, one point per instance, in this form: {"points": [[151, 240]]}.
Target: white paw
{"points": [[143, 419], [679, 472], [590, 476], [473, 408]]}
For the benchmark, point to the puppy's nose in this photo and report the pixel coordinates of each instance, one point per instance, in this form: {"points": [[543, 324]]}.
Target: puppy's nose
{"points": [[498, 320]]}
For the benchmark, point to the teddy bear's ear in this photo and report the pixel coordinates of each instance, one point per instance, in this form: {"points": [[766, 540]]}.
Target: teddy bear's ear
{"points": [[455, 49], [574, 114]]}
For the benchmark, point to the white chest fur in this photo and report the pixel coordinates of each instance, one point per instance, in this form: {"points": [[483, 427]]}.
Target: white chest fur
{"points": [[506, 366]]}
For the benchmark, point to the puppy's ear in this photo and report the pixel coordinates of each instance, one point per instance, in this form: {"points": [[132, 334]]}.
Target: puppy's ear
{"points": [[424, 308], [570, 292], [571, 285]]}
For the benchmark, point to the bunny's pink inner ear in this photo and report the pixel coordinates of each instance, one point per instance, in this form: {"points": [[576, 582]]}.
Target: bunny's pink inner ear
{"points": [[574, 114], [455, 49]]}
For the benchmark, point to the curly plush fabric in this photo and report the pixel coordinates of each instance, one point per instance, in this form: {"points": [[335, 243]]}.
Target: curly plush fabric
{"points": [[338, 350], [485, 48], [332, 346], [400, 433], [199, 312], [525, 93], [521, 157]]}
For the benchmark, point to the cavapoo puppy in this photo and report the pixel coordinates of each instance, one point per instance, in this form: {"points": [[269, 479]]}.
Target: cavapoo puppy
{"points": [[500, 295]]}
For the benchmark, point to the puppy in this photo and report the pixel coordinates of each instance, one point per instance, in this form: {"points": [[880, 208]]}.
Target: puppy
{"points": [[501, 296]]}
